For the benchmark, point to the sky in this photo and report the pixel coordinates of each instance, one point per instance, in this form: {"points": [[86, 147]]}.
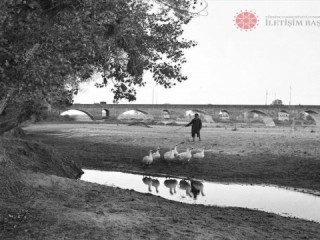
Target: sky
{"points": [[233, 66]]}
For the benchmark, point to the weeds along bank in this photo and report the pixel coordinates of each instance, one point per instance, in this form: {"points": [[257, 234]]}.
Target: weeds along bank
{"points": [[26, 155], [18, 156], [20, 159]]}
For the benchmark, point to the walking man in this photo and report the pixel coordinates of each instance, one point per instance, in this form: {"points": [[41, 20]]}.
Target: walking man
{"points": [[196, 126]]}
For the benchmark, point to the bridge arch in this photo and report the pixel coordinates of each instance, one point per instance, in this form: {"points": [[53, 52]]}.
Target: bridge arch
{"points": [[284, 111], [80, 110], [259, 112], [105, 113], [189, 114], [165, 114], [135, 114], [224, 115], [267, 120], [311, 112], [315, 116], [199, 111], [138, 110]]}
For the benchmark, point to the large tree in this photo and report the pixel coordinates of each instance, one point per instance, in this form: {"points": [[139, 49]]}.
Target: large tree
{"points": [[47, 47]]}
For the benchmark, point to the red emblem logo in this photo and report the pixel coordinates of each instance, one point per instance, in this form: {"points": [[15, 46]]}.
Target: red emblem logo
{"points": [[246, 20]]}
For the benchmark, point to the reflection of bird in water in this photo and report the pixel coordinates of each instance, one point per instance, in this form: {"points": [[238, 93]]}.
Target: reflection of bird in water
{"points": [[155, 183], [147, 181], [184, 185], [171, 183], [196, 188]]}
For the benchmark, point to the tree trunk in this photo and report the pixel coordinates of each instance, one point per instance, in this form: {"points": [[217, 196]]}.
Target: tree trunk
{"points": [[9, 117], [8, 125], [3, 104]]}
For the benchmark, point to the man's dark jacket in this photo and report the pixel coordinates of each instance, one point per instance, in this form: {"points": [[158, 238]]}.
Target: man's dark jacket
{"points": [[196, 125]]}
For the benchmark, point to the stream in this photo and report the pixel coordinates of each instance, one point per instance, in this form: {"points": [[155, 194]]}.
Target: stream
{"points": [[272, 199]]}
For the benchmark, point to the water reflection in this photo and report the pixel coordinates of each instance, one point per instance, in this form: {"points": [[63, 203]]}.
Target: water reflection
{"points": [[155, 183], [259, 197], [171, 184], [196, 188], [185, 185], [148, 182], [192, 187]]}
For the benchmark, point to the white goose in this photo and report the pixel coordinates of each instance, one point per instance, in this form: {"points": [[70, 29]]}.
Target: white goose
{"points": [[147, 160], [169, 156], [175, 150], [156, 155], [199, 155], [185, 156]]}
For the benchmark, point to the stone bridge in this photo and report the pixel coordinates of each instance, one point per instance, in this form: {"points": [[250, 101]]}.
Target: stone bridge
{"points": [[210, 113]]}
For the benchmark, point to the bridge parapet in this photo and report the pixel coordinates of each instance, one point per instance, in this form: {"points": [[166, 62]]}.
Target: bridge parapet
{"points": [[234, 112]]}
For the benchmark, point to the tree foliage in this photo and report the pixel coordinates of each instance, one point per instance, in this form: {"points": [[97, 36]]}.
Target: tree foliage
{"points": [[47, 47], [277, 102], [192, 7]]}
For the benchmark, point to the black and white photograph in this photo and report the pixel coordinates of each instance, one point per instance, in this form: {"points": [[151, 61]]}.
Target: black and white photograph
{"points": [[159, 119]]}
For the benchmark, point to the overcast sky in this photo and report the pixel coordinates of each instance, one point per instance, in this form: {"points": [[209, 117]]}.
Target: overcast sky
{"points": [[230, 66]]}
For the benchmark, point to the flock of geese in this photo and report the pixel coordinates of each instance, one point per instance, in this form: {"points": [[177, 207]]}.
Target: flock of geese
{"points": [[172, 156], [192, 187]]}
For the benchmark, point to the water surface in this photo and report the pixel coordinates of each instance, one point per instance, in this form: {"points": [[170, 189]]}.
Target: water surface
{"points": [[259, 197]]}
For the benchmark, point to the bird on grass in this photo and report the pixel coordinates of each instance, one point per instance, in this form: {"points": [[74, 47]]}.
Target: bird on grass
{"points": [[199, 155], [169, 156], [175, 150], [185, 156], [147, 160], [156, 155]]}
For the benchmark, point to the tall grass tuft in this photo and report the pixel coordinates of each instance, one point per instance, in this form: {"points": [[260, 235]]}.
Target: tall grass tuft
{"points": [[11, 182]]}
